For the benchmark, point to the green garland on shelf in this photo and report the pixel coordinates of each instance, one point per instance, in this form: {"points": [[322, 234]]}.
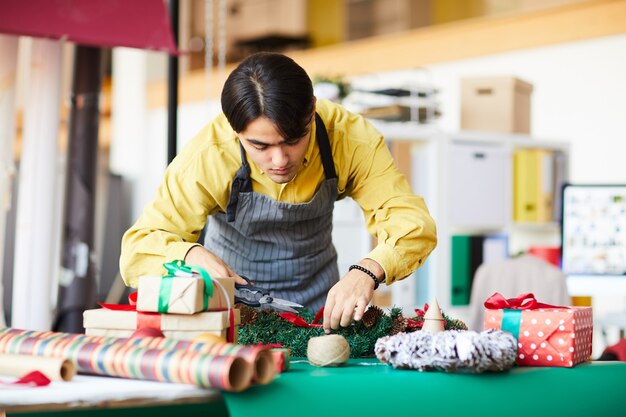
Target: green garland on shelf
{"points": [[267, 327]]}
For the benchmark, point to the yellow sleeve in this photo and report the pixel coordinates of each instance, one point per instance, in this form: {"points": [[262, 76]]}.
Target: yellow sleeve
{"points": [[193, 188], [398, 218]]}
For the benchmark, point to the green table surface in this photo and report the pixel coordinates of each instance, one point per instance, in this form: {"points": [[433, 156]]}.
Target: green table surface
{"points": [[367, 388]]}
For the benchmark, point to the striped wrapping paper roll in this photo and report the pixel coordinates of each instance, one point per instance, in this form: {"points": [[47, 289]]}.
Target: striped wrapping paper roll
{"points": [[260, 357], [115, 357]]}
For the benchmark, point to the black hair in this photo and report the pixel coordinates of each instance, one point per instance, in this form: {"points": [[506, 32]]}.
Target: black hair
{"points": [[270, 85]]}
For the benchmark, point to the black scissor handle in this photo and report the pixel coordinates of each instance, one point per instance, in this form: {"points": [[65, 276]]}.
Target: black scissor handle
{"points": [[249, 294]]}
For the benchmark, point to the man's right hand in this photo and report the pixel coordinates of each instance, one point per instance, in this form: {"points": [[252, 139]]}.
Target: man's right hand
{"points": [[214, 265]]}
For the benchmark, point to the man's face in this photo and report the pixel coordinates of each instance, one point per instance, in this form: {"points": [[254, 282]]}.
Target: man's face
{"points": [[279, 158]]}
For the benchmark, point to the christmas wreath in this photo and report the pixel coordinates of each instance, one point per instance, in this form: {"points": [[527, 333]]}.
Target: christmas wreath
{"points": [[294, 331]]}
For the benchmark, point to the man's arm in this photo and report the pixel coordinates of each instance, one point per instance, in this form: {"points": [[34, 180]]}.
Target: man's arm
{"points": [[170, 224], [399, 219], [405, 232]]}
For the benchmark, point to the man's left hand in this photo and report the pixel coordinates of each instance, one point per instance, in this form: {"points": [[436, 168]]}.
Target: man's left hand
{"points": [[348, 299]]}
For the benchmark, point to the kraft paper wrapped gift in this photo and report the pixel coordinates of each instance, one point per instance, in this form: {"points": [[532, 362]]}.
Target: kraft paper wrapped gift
{"points": [[183, 295], [547, 335], [120, 323]]}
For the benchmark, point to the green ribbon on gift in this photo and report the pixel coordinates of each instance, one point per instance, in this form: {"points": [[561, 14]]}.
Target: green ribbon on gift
{"points": [[178, 268], [511, 321]]}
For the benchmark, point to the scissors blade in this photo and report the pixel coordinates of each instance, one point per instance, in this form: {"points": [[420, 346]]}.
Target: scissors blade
{"points": [[287, 303], [279, 303], [284, 308]]}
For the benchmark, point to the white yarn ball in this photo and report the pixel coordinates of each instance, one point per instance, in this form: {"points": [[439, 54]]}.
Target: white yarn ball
{"points": [[328, 350]]}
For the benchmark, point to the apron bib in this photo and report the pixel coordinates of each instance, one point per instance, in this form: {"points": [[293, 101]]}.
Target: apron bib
{"points": [[285, 248]]}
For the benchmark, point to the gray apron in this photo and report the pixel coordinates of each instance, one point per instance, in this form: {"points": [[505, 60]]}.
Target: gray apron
{"points": [[286, 248]]}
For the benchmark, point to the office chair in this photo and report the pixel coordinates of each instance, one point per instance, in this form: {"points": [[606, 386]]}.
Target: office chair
{"points": [[514, 276]]}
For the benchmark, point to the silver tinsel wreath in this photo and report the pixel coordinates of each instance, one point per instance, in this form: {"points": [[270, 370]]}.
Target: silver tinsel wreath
{"points": [[491, 350]]}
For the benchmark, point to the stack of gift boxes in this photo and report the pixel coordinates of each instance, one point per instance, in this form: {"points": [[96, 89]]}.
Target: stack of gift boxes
{"points": [[182, 305], [546, 335]]}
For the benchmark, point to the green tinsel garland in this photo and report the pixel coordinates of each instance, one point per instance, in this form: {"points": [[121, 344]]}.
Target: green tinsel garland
{"points": [[269, 328]]}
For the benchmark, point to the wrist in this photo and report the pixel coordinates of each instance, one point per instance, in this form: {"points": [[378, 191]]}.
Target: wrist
{"points": [[367, 272], [192, 253]]}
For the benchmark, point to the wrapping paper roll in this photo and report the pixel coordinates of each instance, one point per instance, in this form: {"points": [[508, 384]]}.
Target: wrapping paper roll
{"points": [[260, 357], [116, 357], [56, 369]]}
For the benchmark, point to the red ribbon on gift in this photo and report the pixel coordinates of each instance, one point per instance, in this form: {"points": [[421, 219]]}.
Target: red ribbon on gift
{"points": [[153, 320], [521, 302], [300, 322]]}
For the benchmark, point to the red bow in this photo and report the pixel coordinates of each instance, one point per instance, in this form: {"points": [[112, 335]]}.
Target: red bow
{"points": [[521, 302], [300, 322]]}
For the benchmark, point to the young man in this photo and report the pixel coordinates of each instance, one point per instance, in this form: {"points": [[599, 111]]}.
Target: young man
{"points": [[267, 173]]}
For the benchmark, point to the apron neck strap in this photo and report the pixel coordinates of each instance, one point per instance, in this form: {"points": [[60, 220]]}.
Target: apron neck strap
{"points": [[326, 152]]}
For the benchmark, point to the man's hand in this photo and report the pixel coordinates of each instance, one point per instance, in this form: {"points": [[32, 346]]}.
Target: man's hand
{"points": [[215, 266], [349, 298]]}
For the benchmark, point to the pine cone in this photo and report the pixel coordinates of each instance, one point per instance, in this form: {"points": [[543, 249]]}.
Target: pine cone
{"points": [[398, 325], [248, 315], [371, 316], [455, 324]]}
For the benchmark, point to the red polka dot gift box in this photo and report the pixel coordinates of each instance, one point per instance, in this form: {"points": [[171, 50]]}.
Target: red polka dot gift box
{"points": [[547, 335]]}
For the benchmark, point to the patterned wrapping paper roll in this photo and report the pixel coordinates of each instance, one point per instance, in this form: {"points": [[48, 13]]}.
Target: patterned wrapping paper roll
{"points": [[115, 357], [260, 357]]}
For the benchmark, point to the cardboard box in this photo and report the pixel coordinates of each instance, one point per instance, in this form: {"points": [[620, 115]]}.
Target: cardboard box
{"points": [[264, 18], [186, 294], [496, 104], [549, 336], [119, 323]]}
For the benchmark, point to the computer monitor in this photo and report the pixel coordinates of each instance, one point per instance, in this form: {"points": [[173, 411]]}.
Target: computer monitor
{"points": [[593, 238]]}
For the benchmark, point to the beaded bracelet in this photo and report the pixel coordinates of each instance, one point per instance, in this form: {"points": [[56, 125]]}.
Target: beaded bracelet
{"points": [[368, 272]]}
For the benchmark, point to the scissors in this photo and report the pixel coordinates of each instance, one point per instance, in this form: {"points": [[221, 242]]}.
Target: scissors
{"points": [[254, 296]]}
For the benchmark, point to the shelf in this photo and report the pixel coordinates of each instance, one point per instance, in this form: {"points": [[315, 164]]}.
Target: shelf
{"points": [[410, 131], [550, 227]]}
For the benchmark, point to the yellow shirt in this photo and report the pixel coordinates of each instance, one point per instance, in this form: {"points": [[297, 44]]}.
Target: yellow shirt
{"points": [[198, 183]]}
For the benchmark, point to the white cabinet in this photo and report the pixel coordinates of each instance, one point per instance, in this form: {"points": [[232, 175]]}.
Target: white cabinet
{"points": [[477, 185], [466, 179]]}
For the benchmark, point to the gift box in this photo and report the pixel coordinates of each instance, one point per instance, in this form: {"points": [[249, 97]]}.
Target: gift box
{"points": [[547, 335], [122, 323], [183, 294]]}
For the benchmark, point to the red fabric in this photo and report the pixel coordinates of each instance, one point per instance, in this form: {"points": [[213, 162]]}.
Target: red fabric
{"points": [[547, 253], [137, 24], [119, 307], [618, 349], [31, 379]]}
